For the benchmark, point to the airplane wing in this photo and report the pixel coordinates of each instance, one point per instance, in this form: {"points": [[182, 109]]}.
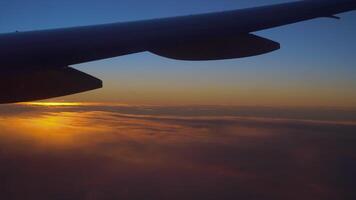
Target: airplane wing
{"points": [[35, 64]]}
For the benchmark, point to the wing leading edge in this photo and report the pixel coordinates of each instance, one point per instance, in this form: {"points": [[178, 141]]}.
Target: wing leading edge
{"points": [[210, 36]]}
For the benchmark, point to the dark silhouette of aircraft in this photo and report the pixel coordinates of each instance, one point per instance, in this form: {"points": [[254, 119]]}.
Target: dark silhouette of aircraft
{"points": [[35, 64]]}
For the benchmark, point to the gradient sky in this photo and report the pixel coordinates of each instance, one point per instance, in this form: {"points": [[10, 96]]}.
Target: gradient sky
{"points": [[315, 67]]}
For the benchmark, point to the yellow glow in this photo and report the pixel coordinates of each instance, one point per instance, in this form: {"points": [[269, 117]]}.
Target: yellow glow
{"points": [[49, 104], [54, 129], [69, 104]]}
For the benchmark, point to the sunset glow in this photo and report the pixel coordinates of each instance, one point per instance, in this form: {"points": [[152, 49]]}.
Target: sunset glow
{"points": [[50, 104]]}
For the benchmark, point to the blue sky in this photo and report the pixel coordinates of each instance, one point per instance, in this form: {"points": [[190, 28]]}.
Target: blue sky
{"points": [[316, 65]]}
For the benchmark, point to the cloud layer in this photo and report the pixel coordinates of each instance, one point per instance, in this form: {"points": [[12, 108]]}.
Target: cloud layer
{"points": [[141, 152]]}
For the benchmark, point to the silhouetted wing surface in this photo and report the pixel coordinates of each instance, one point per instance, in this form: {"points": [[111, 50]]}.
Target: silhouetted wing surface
{"points": [[211, 36], [31, 85]]}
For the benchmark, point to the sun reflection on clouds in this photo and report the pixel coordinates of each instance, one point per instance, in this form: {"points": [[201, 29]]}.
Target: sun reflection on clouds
{"points": [[55, 128], [51, 129]]}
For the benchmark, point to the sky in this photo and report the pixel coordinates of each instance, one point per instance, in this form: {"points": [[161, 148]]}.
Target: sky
{"points": [[314, 67]]}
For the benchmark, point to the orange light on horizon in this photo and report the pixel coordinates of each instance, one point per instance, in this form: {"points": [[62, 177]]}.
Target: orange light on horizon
{"points": [[50, 104], [69, 104]]}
